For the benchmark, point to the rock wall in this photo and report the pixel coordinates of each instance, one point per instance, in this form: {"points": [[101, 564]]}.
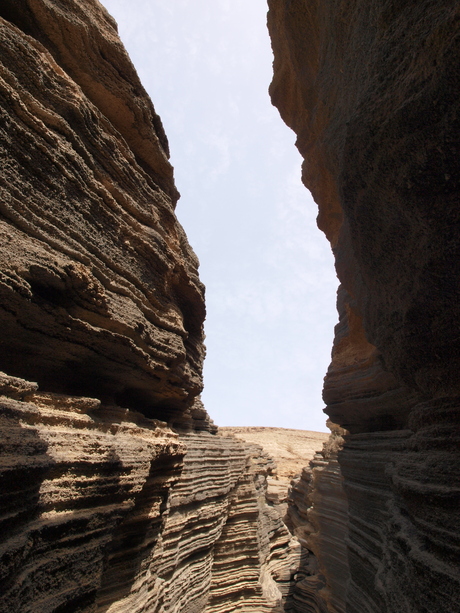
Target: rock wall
{"points": [[105, 510], [256, 557], [99, 291], [115, 493], [318, 516], [372, 91], [290, 449]]}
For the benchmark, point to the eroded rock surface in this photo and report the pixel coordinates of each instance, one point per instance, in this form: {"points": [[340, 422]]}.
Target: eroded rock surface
{"points": [[291, 451], [318, 516], [84, 489], [256, 557], [372, 91], [105, 510], [99, 289], [116, 494]]}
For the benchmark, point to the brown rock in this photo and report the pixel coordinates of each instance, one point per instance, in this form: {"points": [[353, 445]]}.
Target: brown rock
{"points": [[103, 507], [372, 91], [101, 511], [360, 103], [74, 488], [99, 293], [290, 450], [317, 515], [256, 557]]}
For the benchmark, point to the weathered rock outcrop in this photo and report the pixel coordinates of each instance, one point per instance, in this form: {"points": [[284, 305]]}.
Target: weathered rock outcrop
{"points": [[116, 494], [99, 289], [317, 515], [84, 489], [104, 510], [372, 91], [256, 557], [290, 449]]}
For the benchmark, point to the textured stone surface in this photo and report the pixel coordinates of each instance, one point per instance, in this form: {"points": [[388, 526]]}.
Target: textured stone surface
{"points": [[104, 510], [176, 573], [99, 293], [291, 451], [317, 516], [104, 507], [361, 94], [256, 557], [372, 91], [78, 481]]}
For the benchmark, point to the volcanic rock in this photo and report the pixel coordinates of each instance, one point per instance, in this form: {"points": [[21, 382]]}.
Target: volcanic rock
{"points": [[115, 493], [99, 293], [372, 91], [317, 516], [291, 451], [105, 510]]}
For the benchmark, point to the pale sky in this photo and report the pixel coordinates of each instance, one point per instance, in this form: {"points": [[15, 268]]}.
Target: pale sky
{"points": [[268, 270]]}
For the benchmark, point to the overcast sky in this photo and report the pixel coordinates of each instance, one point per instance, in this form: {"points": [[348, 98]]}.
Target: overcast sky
{"points": [[268, 270]]}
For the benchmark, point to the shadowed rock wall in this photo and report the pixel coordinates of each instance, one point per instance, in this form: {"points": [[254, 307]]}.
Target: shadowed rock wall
{"points": [[317, 515], [372, 92]]}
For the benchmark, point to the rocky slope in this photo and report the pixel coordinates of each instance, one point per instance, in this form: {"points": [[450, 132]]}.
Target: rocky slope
{"points": [[291, 451], [372, 91], [116, 494]]}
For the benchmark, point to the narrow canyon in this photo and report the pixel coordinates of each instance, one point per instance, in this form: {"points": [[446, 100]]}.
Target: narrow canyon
{"points": [[118, 492]]}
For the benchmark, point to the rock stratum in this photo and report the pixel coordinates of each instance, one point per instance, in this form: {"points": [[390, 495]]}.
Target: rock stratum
{"points": [[105, 510], [372, 91], [100, 294], [291, 451], [115, 493]]}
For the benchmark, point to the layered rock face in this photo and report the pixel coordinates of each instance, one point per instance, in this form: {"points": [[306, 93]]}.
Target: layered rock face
{"points": [[104, 510], [290, 449], [115, 493], [372, 91], [99, 290], [318, 516]]}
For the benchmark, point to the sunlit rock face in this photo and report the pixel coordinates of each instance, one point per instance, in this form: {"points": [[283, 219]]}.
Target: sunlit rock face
{"points": [[115, 493], [105, 510], [372, 91], [290, 449], [84, 496], [99, 290]]}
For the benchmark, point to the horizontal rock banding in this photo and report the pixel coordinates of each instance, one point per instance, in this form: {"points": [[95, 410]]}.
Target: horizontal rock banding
{"points": [[104, 510], [71, 475], [291, 451], [99, 286], [372, 91]]}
